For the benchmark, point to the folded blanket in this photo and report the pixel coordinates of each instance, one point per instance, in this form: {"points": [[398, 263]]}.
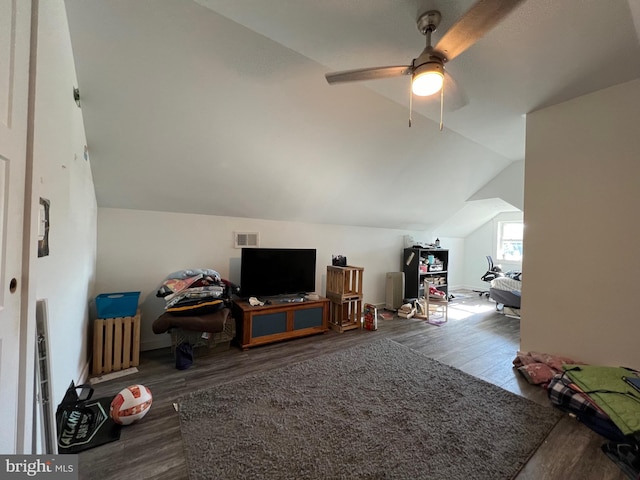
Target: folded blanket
{"points": [[178, 281], [540, 368], [606, 387]]}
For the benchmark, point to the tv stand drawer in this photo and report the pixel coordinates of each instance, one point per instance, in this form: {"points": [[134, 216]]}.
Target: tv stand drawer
{"points": [[260, 325], [268, 324]]}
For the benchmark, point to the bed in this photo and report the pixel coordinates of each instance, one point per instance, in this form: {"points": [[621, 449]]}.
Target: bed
{"points": [[506, 291]]}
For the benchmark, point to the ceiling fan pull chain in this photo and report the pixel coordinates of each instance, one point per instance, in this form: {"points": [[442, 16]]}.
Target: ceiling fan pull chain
{"points": [[410, 100], [441, 104]]}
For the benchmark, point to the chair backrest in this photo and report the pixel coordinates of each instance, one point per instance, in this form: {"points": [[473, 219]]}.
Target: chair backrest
{"points": [[494, 271], [493, 267]]}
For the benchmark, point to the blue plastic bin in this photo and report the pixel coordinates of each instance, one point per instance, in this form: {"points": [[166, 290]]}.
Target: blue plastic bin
{"points": [[114, 305]]}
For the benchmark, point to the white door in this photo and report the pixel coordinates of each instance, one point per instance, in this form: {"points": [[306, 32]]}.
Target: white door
{"points": [[15, 25]]}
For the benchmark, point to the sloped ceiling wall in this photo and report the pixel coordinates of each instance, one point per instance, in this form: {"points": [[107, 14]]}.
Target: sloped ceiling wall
{"points": [[223, 109], [507, 185], [187, 111]]}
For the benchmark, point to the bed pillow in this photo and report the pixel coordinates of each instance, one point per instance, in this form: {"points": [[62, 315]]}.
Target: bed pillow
{"points": [[515, 274]]}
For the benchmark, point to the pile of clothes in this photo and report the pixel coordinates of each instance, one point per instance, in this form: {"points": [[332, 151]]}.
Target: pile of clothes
{"points": [[601, 397], [540, 368], [197, 300], [197, 311], [195, 291]]}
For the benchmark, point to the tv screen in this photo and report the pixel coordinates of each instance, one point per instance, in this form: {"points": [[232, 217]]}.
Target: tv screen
{"points": [[277, 271]]}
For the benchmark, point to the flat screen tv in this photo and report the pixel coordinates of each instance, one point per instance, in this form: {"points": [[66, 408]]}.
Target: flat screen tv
{"points": [[268, 272]]}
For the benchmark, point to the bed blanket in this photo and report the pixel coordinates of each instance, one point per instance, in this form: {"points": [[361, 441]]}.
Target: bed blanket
{"points": [[611, 393], [508, 284]]}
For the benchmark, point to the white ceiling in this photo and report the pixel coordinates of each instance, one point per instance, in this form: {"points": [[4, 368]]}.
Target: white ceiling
{"points": [[221, 107]]}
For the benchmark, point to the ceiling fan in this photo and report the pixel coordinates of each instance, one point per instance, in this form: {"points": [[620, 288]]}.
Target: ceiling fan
{"points": [[427, 70]]}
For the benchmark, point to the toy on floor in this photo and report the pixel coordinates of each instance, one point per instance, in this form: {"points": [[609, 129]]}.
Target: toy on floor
{"points": [[131, 404]]}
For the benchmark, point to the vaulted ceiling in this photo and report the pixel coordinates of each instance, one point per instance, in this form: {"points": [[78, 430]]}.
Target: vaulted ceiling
{"points": [[221, 107]]}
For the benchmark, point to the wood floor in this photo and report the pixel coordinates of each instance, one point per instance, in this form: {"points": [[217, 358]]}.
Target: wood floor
{"points": [[476, 339]]}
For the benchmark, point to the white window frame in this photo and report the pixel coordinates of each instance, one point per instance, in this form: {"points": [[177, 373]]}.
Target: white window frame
{"points": [[500, 224]]}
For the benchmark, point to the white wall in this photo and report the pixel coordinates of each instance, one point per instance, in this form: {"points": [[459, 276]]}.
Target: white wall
{"points": [[507, 185], [478, 245], [456, 247], [582, 200], [61, 175], [483, 242], [138, 249]]}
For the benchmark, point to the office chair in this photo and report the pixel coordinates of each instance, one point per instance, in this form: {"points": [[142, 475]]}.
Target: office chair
{"points": [[494, 271]]}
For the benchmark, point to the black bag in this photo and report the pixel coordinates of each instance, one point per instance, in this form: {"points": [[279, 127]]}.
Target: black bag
{"points": [[82, 422]]}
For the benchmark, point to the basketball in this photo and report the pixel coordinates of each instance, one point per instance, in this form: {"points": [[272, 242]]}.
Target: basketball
{"points": [[131, 404]]}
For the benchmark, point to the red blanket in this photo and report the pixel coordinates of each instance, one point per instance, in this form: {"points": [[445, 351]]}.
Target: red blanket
{"points": [[540, 368]]}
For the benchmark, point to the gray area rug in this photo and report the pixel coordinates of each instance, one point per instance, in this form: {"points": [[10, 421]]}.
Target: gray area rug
{"points": [[373, 411]]}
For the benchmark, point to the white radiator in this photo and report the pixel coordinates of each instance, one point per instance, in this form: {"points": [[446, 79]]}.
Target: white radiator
{"points": [[394, 291]]}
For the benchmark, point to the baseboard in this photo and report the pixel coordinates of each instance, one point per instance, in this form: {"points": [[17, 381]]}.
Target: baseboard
{"points": [[483, 287], [110, 376]]}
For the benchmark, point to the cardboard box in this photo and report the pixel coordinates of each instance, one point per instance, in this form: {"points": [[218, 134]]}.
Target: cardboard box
{"points": [[370, 316]]}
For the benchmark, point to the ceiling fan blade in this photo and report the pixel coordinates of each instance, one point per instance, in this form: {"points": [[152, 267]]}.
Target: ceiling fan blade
{"points": [[473, 25], [368, 74]]}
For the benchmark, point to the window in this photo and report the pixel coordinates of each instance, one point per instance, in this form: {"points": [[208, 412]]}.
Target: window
{"points": [[510, 241]]}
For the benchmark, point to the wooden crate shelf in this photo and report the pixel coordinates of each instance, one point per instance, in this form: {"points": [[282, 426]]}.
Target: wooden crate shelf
{"points": [[344, 290], [345, 316], [116, 344], [344, 283]]}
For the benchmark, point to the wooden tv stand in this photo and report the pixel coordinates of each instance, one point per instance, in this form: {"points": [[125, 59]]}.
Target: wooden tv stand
{"points": [[260, 325]]}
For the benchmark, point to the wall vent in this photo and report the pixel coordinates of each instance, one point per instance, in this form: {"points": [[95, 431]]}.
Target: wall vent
{"points": [[246, 239]]}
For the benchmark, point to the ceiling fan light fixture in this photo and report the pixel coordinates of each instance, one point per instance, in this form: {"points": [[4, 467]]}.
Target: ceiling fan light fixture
{"points": [[427, 79]]}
